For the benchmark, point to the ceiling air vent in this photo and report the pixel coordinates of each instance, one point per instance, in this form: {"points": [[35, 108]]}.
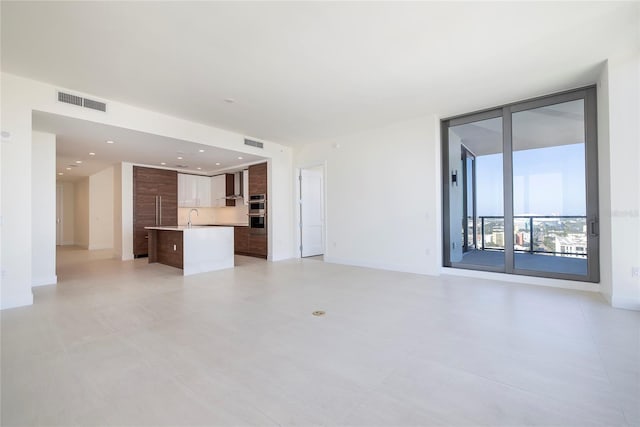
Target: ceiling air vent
{"points": [[81, 102], [95, 105], [69, 99], [253, 143]]}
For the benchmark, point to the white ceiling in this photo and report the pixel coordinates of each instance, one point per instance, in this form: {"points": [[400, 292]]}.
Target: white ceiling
{"points": [[75, 139], [301, 72]]}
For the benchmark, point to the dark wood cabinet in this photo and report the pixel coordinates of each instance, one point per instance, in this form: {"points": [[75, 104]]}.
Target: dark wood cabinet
{"points": [[241, 240], [230, 189], [257, 242], [155, 202], [165, 247], [249, 244], [258, 179], [258, 245]]}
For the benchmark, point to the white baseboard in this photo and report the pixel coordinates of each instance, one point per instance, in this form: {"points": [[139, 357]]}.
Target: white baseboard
{"points": [[43, 281], [626, 303], [379, 266], [281, 255], [12, 301], [67, 243]]}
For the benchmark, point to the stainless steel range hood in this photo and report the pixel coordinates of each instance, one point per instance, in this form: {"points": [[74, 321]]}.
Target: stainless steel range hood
{"points": [[237, 187]]}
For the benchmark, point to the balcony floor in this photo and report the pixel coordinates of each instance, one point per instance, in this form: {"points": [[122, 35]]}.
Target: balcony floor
{"points": [[526, 261]]}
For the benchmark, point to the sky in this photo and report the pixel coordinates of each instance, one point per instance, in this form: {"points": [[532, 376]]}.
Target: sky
{"points": [[546, 181]]}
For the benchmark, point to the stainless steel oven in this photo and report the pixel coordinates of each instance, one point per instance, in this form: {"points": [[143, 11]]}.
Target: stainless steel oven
{"points": [[258, 214], [257, 204], [257, 224]]}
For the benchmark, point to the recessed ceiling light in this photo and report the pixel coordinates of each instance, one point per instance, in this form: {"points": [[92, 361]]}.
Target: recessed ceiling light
{"points": [[179, 157], [68, 169], [109, 142], [78, 161], [201, 150], [217, 164], [163, 163], [229, 100], [199, 169], [60, 173], [92, 154], [239, 157]]}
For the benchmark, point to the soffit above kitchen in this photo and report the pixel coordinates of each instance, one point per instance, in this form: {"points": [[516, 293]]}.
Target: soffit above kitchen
{"points": [[300, 72], [76, 139]]}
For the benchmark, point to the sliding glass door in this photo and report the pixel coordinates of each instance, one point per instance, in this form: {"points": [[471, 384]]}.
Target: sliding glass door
{"points": [[520, 188], [476, 219]]}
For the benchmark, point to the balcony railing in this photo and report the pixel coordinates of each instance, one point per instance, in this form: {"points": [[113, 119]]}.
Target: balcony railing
{"points": [[544, 234]]}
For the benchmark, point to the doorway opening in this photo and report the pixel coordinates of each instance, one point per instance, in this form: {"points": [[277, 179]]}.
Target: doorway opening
{"points": [[59, 214], [312, 212]]}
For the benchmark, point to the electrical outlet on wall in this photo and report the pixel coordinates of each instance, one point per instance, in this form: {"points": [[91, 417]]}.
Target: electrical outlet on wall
{"points": [[635, 271]]}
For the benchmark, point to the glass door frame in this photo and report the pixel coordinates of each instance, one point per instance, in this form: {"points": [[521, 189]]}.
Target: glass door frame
{"points": [[466, 155], [588, 95], [446, 180]]}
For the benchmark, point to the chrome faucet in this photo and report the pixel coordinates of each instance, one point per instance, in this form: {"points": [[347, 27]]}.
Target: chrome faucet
{"points": [[190, 212]]}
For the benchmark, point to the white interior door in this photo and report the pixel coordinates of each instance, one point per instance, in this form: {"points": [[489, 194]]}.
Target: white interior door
{"points": [[59, 207], [312, 211]]}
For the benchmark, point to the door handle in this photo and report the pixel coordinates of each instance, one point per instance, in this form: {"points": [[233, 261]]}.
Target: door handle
{"points": [[157, 211], [594, 229], [160, 209]]}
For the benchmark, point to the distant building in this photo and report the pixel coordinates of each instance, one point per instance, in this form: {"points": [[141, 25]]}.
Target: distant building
{"points": [[572, 245]]}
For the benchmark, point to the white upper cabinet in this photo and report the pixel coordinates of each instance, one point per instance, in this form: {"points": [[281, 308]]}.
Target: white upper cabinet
{"points": [[194, 191], [219, 190], [204, 191], [186, 191]]}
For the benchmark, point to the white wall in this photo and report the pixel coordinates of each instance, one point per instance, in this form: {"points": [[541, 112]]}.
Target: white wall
{"points": [[16, 198], [619, 93], [43, 209], [127, 211], [101, 207], [280, 228], [68, 212], [381, 196], [123, 211], [81, 213], [117, 211], [21, 96]]}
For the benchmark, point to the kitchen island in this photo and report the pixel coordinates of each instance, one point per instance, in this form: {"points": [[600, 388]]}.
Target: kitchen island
{"points": [[195, 249]]}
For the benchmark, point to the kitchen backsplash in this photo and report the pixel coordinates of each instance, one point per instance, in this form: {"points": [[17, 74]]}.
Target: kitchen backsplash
{"points": [[226, 215]]}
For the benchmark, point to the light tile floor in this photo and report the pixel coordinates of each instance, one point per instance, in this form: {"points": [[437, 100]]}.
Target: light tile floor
{"points": [[128, 343]]}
